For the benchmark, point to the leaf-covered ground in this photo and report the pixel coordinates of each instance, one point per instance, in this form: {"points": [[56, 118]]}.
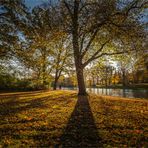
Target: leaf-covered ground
{"points": [[60, 118], [121, 122]]}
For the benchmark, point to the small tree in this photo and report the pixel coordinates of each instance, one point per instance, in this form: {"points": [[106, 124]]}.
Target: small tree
{"points": [[60, 58]]}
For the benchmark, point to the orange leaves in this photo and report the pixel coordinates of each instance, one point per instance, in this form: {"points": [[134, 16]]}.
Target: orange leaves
{"points": [[7, 141], [36, 120], [138, 131], [121, 122], [28, 118]]}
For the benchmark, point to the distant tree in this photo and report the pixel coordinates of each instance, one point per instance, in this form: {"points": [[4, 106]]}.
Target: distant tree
{"points": [[124, 66], [39, 42], [60, 59], [140, 67], [132, 67], [102, 71]]}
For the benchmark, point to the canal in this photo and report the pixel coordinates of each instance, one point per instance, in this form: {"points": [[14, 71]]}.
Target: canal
{"points": [[126, 93]]}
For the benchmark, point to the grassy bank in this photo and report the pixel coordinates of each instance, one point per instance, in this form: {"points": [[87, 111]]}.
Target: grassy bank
{"points": [[47, 118]]}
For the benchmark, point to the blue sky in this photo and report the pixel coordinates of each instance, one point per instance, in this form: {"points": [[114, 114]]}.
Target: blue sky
{"points": [[32, 3]]}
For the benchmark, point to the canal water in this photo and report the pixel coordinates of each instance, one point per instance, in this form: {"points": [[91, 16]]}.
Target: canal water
{"points": [[126, 93]]}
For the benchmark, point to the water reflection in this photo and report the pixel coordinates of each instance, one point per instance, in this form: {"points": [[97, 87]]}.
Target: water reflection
{"points": [[127, 93]]}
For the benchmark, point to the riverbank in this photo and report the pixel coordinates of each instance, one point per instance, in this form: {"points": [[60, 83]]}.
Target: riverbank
{"points": [[49, 118]]}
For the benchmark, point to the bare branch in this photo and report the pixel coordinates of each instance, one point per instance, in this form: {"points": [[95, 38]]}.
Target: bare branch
{"points": [[89, 43], [93, 36], [113, 53], [68, 8], [86, 4], [82, 41], [94, 56]]}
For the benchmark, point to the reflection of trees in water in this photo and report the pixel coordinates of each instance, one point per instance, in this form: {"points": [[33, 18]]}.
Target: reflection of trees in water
{"points": [[140, 93], [124, 92], [127, 93]]}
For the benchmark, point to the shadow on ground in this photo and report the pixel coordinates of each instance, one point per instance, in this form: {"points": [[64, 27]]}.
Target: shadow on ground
{"points": [[81, 130], [33, 119]]}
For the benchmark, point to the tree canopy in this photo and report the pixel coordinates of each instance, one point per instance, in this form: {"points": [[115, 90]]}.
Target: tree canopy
{"points": [[49, 38]]}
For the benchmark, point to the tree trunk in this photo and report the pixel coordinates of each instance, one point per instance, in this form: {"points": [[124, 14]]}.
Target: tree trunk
{"points": [[55, 84], [77, 53], [106, 77], [80, 79], [123, 78], [44, 75], [97, 80], [93, 81], [55, 81], [79, 67], [44, 67]]}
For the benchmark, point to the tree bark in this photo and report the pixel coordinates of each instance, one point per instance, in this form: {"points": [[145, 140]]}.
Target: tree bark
{"points": [[78, 65], [44, 67], [44, 75], [81, 83], [57, 76], [55, 81], [55, 84], [123, 78], [77, 53]]}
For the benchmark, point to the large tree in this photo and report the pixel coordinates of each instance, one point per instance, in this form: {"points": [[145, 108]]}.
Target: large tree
{"points": [[38, 41], [96, 28], [101, 27]]}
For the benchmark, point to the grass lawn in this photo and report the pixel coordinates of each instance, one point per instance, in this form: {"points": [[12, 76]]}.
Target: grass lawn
{"points": [[60, 118]]}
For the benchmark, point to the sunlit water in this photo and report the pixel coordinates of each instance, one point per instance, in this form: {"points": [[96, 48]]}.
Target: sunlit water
{"points": [[127, 93]]}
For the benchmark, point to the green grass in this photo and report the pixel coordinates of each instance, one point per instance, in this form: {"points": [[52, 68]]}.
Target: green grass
{"points": [[31, 119]]}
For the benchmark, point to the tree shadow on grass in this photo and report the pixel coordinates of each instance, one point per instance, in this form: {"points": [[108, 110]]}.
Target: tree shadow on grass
{"points": [[12, 124], [81, 130], [13, 105], [22, 94]]}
